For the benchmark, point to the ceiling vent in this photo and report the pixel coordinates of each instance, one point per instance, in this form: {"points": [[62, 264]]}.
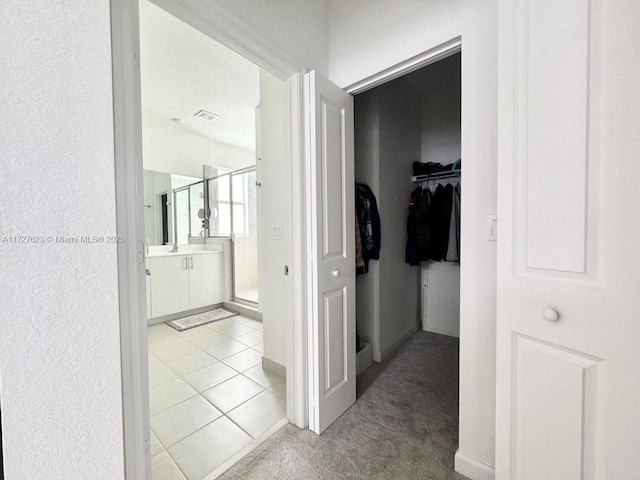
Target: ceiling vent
{"points": [[208, 116]]}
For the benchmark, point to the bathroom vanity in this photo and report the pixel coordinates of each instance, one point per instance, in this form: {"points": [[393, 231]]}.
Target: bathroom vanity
{"points": [[189, 279]]}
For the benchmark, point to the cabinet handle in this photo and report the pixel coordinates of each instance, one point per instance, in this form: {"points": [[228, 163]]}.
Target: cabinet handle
{"points": [[191, 258], [142, 252], [186, 265]]}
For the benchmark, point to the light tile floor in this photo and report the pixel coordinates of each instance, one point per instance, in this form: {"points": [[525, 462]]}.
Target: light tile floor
{"points": [[209, 396]]}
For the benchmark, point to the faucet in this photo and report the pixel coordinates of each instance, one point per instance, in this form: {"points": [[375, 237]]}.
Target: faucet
{"points": [[174, 249]]}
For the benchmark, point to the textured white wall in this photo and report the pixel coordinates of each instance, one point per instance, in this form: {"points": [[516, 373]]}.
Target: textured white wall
{"points": [[59, 347], [367, 37]]}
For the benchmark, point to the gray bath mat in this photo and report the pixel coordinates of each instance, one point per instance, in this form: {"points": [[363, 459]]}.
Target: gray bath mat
{"points": [[201, 319]]}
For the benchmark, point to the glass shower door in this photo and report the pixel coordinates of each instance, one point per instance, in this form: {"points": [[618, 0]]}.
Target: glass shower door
{"points": [[245, 235]]}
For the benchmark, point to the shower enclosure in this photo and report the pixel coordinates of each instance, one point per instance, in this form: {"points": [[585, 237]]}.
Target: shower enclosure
{"points": [[233, 210]]}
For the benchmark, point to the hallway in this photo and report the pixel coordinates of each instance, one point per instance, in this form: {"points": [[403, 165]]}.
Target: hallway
{"points": [[403, 426]]}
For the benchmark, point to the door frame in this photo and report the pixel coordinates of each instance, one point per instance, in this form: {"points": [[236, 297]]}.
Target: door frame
{"points": [[214, 21], [432, 55], [423, 59]]}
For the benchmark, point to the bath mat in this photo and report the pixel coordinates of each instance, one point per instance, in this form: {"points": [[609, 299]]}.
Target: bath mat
{"points": [[201, 319]]}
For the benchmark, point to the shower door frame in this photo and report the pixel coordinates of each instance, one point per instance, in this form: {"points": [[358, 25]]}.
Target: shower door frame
{"points": [[231, 237], [234, 293]]}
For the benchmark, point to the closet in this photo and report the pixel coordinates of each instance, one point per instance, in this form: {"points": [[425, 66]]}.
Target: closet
{"points": [[412, 119]]}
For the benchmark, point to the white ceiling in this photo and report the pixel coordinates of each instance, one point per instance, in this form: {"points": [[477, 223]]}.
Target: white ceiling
{"points": [[184, 71]]}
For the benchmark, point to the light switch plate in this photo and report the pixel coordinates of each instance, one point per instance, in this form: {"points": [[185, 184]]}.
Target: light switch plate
{"points": [[276, 232], [492, 228]]}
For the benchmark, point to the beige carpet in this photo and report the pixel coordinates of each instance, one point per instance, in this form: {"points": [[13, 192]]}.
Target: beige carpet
{"points": [[403, 426]]}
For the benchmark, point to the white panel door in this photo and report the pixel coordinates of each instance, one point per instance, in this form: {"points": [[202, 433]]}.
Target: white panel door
{"points": [[205, 279], [332, 198], [568, 325], [169, 284]]}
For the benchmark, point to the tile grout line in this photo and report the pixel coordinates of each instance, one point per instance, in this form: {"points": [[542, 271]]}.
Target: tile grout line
{"points": [[200, 394]]}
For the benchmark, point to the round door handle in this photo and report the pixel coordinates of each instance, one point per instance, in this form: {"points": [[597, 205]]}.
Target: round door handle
{"points": [[550, 314], [336, 273]]}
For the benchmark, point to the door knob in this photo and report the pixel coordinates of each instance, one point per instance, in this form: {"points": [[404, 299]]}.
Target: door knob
{"points": [[336, 273], [550, 314]]}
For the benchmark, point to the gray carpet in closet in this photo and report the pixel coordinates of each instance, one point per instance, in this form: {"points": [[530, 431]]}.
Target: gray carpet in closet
{"points": [[403, 426]]}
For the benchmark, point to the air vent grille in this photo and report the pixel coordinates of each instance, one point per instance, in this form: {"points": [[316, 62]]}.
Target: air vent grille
{"points": [[205, 115]]}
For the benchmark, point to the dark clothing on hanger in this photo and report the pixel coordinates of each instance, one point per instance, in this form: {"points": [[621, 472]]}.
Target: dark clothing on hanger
{"points": [[411, 253], [440, 221], [423, 227], [369, 223], [359, 257], [453, 252]]}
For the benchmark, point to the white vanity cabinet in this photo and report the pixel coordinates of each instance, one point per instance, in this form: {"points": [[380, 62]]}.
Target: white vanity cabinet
{"points": [[183, 282], [205, 281], [169, 284]]}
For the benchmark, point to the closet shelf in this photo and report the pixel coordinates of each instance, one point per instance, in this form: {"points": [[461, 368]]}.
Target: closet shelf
{"points": [[435, 176]]}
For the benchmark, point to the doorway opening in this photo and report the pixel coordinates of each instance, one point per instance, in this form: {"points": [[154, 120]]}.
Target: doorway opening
{"points": [[408, 169], [217, 368]]}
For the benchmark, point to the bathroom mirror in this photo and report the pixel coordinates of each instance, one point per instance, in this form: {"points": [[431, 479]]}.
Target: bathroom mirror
{"points": [[171, 206]]}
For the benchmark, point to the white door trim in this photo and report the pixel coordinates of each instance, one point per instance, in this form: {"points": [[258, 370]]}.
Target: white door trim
{"points": [[125, 47], [446, 49], [297, 380], [216, 22]]}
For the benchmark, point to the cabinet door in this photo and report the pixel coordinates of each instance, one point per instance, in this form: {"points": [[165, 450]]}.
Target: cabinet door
{"points": [[169, 285], [205, 279]]}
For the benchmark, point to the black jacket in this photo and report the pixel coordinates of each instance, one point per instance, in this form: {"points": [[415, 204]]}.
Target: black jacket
{"points": [[369, 223]]}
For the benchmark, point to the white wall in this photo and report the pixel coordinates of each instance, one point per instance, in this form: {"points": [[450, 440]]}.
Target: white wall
{"points": [[274, 210], [367, 171], [230, 157], [400, 132], [441, 124], [172, 148], [59, 347], [365, 38], [441, 143], [387, 142]]}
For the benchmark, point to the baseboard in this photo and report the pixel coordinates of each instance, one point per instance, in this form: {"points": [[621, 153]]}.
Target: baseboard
{"points": [[387, 351], [472, 468], [274, 367], [245, 310]]}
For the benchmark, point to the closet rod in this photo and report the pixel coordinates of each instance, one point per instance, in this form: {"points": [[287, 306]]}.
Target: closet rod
{"points": [[436, 176]]}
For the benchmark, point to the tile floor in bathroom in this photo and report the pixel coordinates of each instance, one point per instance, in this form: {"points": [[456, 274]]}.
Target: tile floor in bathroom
{"points": [[209, 396]]}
